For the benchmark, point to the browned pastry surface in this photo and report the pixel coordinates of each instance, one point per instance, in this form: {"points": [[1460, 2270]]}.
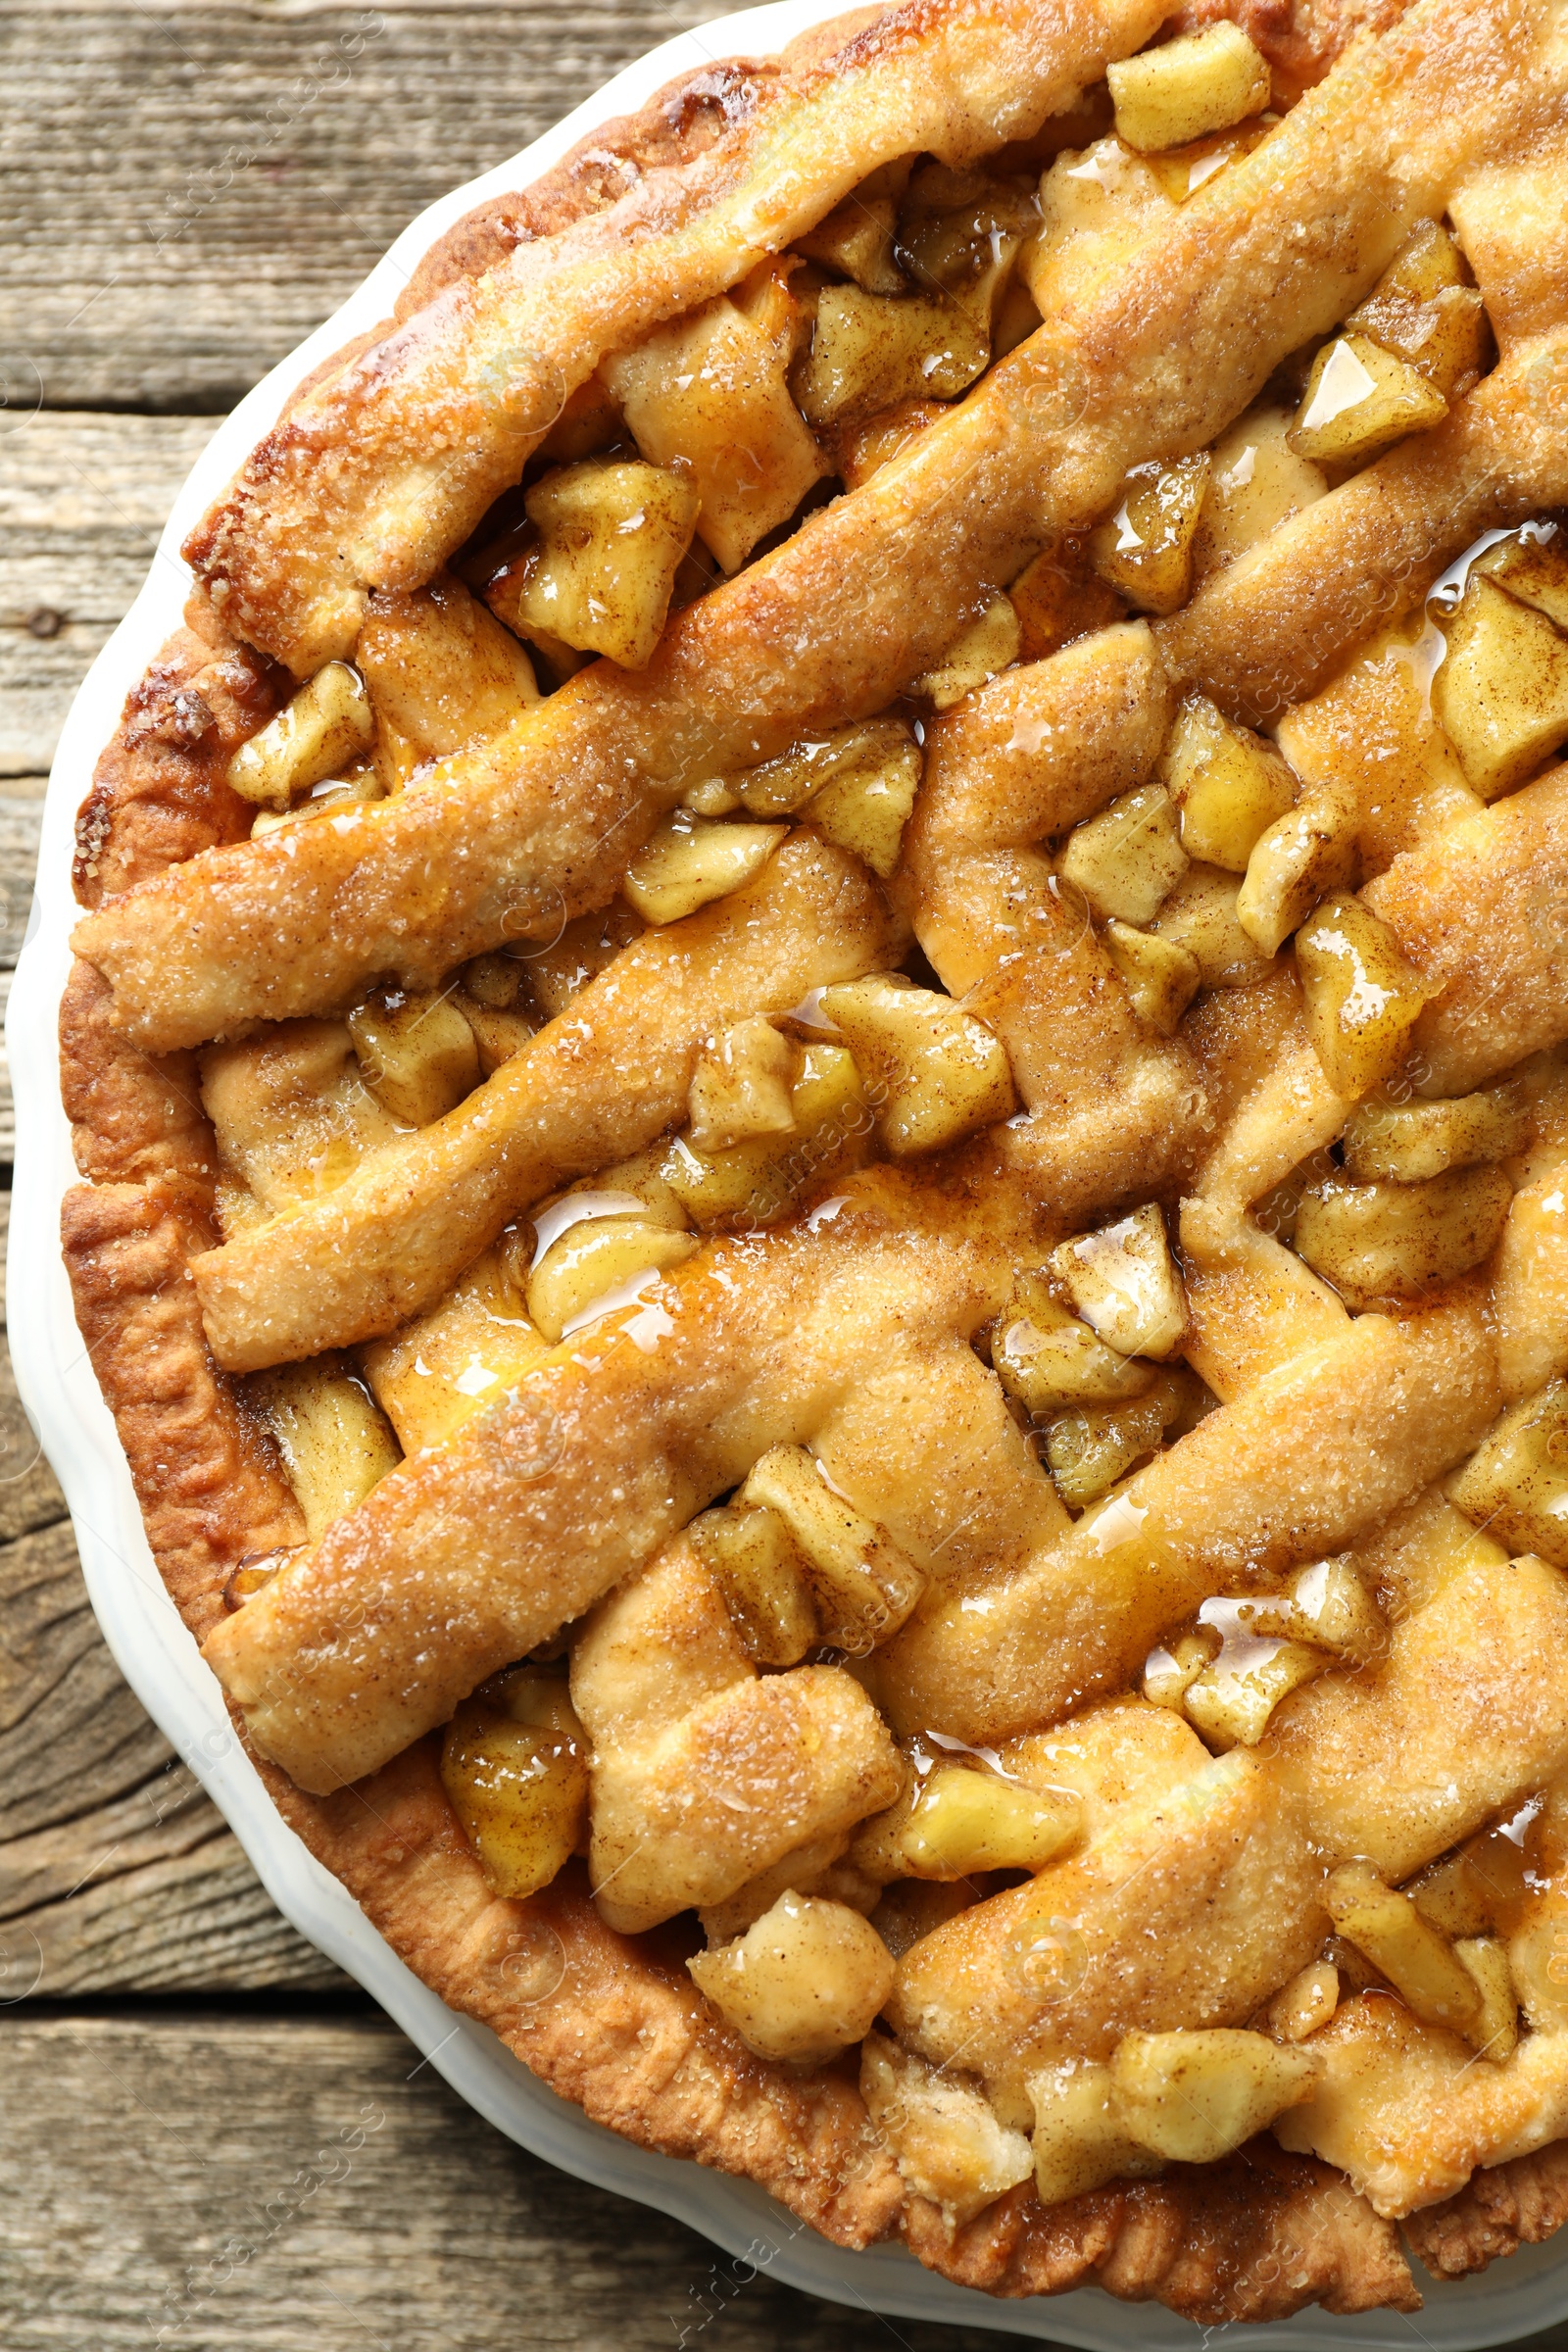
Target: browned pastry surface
{"points": [[1498, 2210], [613, 2021], [1252, 2238]]}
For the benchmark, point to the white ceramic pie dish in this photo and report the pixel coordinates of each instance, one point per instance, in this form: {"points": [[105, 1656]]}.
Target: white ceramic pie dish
{"points": [[160, 1659]]}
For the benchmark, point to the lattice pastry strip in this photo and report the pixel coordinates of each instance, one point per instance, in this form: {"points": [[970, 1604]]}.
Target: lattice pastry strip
{"points": [[595, 1085]]}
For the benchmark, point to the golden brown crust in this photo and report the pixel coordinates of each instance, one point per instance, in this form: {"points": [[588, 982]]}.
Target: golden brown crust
{"points": [[1498, 2211], [1252, 2238], [209, 1483], [622, 2033], [158, 794], [681, 121]]}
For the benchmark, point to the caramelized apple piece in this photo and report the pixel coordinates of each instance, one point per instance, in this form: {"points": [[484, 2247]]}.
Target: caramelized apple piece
{"points": [[1180, 171], [802, 1983], [598, 1259], [1162, 977], [1080, 2140], [1362, 995], [688, 861], [1515, 1485], [963, 1821], [1088, 1451], [326, 727], [1199, 82], [1359, 400], [871, 351], [1231, 1704], [1169, 1674], [1307, 2002], [416, 1053], [988, 646], [708, 394], [1058, 600], [1534, 568], [498, 1035], [330, 1432], [741, 1086], [1297, 861], [866, 1587], [1406, 1143], [856, 237], [943, 1072], [611, 535], [1495, 2030], [1048, 1359], [765, 1580], [1123, 1282], [1228, 784], [357, 789], [959, 233], [1126, 859], [865, 807], [1193, 2097], [856, 784], [1201, 917], [1405, 1947], [1395, 1240], [1255, 483], [1145, 550], [449, 1364], [553, 975], [784, 786], [753, 1183], [514, 1764], [1501, 692], [1422, 310]]}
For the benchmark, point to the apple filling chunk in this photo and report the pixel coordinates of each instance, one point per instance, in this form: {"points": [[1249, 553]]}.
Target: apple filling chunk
{"points": [[514, 1763], [803, 1982], [326, 727]]}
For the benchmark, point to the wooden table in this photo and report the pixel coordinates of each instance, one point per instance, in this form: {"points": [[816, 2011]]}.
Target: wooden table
{"points": [[188, 190]]}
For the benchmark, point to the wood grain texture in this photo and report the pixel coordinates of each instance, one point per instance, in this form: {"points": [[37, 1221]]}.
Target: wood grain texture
{"points": [[275, 157], [117, 1872], [83, 500], [261, 2185]]}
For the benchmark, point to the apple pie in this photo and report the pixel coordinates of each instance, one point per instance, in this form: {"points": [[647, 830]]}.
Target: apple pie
{"points": [[819, 1055]]}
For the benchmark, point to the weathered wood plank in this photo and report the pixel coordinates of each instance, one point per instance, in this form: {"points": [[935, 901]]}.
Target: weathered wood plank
{"points": [[167, 262], [116, 1870], [255, 2185], [83, 500]]}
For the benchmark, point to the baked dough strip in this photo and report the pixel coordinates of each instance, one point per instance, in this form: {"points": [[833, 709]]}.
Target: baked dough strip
{"points": [[1466, 1717], [602, 1079], [389, 465], [468, 1557], [870, 591]]}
